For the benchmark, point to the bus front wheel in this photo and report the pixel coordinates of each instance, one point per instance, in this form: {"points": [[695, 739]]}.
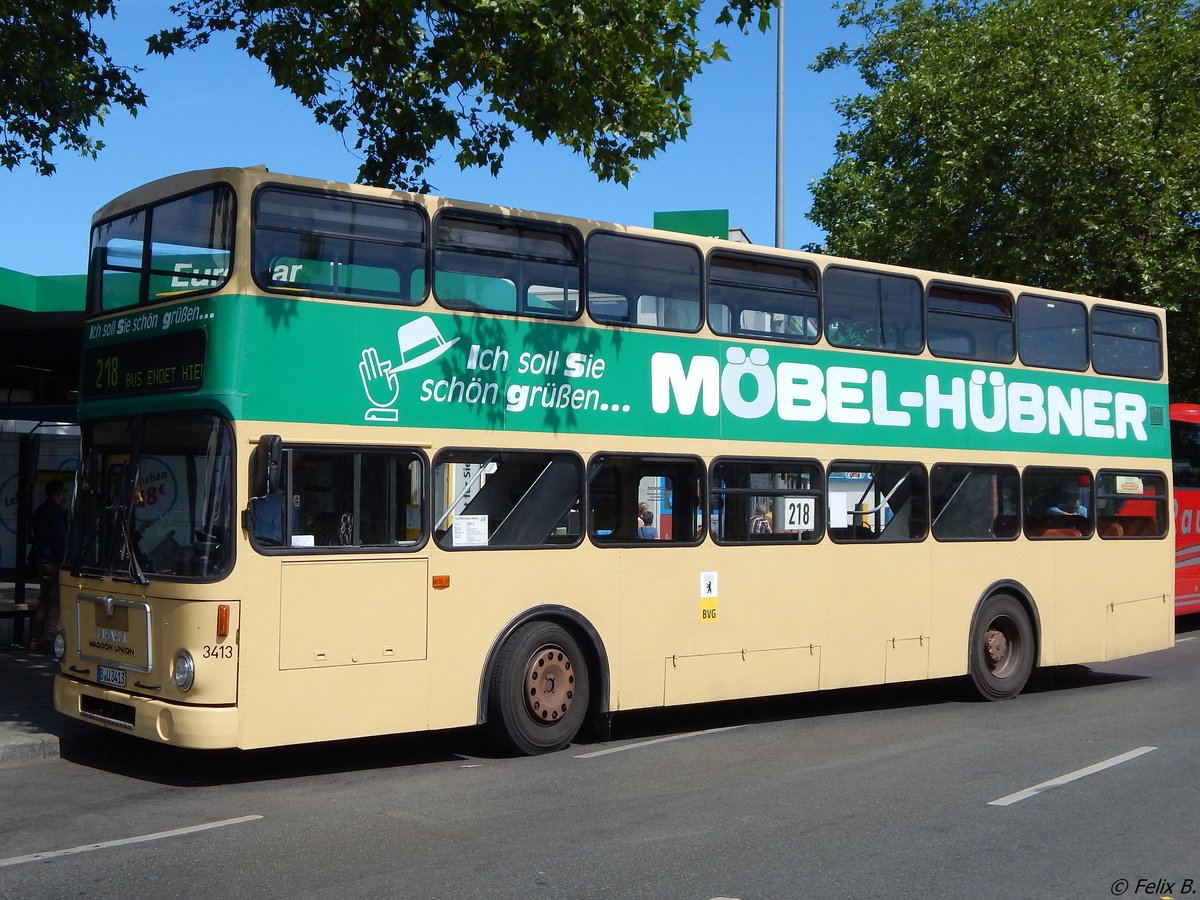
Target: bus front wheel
{"points": [[538, 697], [1002, 648]]}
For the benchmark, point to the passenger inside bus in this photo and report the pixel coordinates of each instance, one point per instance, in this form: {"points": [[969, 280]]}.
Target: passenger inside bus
{"points": [[646, 530], [1068, 506]]}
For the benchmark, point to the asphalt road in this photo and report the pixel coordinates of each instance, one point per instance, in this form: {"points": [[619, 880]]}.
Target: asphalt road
{"points": [[1088, 785]]}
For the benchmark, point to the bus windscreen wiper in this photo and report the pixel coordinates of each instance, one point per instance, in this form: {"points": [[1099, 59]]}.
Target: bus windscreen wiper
{"points": [[129, 548]]}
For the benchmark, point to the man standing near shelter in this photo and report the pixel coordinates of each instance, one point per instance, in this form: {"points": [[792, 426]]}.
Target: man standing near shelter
{"points": [[49, 547]]}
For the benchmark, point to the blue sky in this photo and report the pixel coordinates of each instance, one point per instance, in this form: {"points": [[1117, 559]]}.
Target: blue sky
{"points": [[217, 107]]}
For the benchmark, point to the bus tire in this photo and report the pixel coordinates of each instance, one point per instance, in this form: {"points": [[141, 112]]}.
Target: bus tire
{"points": [[1002, 648], [538, 696]]}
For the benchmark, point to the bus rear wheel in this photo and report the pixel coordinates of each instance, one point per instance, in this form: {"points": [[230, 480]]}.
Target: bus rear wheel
{"points": [[538, 697], [1002, 648]]}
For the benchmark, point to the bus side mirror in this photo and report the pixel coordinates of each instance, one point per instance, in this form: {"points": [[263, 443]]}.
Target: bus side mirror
{"points": [[268, 465]]}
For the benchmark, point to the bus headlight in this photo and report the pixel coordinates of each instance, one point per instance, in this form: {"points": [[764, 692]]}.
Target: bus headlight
{"points": [[60, 645], [184, 671]]}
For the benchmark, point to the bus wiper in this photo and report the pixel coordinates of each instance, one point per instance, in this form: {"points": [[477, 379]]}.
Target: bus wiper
{"points": [[86, 546], [135, 569]]}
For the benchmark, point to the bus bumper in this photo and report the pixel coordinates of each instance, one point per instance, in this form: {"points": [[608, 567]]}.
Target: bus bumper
{"points": [[197, 727]]}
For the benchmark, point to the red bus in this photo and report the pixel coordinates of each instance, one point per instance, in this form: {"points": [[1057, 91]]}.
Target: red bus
{"points": [[1185, 450]]}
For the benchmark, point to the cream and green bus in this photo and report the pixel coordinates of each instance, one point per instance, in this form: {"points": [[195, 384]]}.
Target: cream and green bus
{"points": [[359, 462]]}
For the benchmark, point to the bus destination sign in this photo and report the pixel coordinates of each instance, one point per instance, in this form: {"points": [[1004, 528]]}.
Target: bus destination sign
{"points": [[169, 363]]}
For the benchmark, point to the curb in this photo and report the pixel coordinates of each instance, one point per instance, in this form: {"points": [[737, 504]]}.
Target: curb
{"points": [[34, 746]]}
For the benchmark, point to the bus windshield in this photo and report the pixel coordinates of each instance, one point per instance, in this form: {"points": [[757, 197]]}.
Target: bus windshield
{"points": [[154, 499]]}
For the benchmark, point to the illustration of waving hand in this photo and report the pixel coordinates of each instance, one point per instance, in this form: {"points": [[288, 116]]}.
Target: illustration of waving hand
{"points": [[381, 384]]}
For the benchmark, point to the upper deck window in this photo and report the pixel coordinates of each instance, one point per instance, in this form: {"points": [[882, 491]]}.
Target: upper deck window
{"points": [[161, 252], [643, 282], [1126, 343], [965, 323], [1052, 333], [339, 246], [763, 298], [873, 311], [506, 266]]}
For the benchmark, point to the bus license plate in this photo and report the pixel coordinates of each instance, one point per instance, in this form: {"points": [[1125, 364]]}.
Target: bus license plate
{"points": [[111, 677]]}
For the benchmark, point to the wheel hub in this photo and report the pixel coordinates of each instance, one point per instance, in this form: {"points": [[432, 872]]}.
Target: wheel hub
{"points": [[549, 684], [997, 647]]}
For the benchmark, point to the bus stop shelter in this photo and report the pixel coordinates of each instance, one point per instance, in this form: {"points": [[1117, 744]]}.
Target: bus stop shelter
{"points": [[41, 333]]}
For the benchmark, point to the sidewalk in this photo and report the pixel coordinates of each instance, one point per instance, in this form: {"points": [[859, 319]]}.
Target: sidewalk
{"points": [[29, 726]]}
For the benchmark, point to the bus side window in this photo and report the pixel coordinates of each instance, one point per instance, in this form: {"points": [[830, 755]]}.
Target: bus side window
{"points": [[506, 265], [624, 487], [761, 297], [1052, 333], [873, 311], [766, 501], [974, 503], [967, 323], [877, 501], [1058, 503], [339, 246], [1132, 504], [345, 497], [1126, 343], [1185, 447], [644, 282], [506, 498]]}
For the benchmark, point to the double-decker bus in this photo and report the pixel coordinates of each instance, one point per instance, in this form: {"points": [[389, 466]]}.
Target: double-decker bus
{"points": [[358, 462], [1185, 448]]}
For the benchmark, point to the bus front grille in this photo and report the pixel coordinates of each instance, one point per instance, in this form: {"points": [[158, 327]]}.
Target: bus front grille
{"points": [[106, 711]]}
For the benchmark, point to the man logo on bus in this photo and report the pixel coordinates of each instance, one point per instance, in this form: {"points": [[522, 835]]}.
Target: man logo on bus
{"points": [[419, 342]]}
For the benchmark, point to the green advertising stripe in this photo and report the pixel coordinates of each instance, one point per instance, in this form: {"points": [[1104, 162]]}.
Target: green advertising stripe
{"points": [[290, 360]]}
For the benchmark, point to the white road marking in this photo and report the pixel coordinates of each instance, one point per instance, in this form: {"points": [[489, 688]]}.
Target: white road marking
{"points": [[1184, 640], [661, 740], [1069, 777], [158, 835]]}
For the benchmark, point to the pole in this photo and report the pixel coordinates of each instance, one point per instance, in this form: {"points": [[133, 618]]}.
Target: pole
{"points": [[779, 130]]}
